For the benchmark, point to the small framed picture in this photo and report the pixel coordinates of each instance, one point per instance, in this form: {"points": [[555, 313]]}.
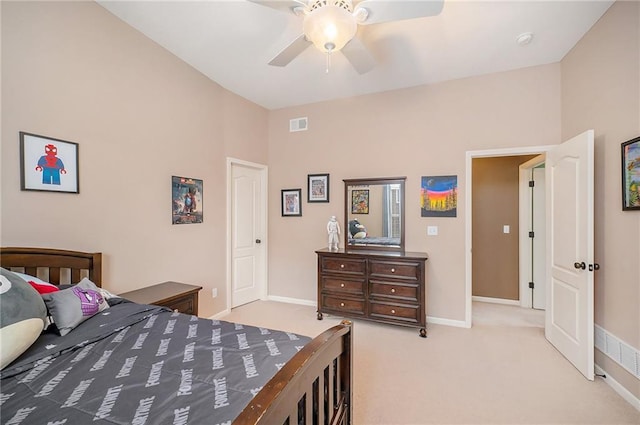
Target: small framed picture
{"points": [[48, 164], [186, 200], [631, 174], [318, 188], [291, 206], [360, 201]]}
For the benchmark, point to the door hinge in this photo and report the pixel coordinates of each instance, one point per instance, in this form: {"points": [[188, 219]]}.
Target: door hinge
{"points": [[531, 285], [531, 234], [532, 183]]}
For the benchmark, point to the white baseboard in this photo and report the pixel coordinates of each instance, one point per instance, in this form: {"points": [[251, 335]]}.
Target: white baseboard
{"points": [[291, 300], [220, 315], [446, 322], [495, 300], [617, 387]]}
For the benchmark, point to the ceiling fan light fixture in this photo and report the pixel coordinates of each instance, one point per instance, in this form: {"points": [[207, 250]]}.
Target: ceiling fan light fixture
{"points": [[329, 27]]}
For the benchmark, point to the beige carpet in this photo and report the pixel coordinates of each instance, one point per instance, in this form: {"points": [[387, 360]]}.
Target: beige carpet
{"points": [[506, 315], [489, 374]]}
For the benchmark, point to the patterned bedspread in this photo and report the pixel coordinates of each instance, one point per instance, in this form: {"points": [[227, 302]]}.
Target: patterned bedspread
{"points": [[140, 364]]}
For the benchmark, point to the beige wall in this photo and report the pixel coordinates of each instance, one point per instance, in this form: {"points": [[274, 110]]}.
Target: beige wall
{"points": [[496, 202], [414, 132], [73, 71], [601, 90]]}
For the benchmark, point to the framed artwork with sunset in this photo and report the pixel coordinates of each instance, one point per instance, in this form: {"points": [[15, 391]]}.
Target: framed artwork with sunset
{"points": [[439, 196]]}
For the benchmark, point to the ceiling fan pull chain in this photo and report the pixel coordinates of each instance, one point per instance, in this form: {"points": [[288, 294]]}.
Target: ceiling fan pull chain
{"points": [[329, 46]]}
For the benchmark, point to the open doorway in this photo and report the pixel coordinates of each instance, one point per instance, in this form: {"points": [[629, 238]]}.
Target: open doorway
{"points": [[498, 230]]}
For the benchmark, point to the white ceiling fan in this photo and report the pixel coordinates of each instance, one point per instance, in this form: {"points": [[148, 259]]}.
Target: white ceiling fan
{"points": [[331, 25]]}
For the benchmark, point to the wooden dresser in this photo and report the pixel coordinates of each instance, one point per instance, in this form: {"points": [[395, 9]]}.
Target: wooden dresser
{"points": [[381, 286]]}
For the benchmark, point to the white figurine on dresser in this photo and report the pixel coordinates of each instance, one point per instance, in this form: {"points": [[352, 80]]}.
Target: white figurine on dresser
{"points": [[333, 229]]}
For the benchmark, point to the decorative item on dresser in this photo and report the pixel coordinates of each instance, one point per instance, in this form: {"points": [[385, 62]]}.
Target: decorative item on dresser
{"points": [[382, 286], [177, 296]]}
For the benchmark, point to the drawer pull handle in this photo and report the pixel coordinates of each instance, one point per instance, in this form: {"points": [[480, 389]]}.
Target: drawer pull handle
{"points": [[341, 304], [342, 266], [393, 312], [393, 290], [342, 285], [393, 270]]}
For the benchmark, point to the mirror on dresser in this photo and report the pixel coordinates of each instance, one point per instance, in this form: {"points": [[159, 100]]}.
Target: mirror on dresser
{"points": [[374, 213]]}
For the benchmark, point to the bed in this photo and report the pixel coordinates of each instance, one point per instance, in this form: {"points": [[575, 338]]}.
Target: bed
{"points": [[143, 364]]}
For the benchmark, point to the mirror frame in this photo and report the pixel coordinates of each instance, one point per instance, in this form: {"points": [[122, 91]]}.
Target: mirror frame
{"points": [[347, 203]]}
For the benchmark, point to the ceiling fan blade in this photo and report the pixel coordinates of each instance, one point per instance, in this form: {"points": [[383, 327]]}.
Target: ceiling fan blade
{"points": [[378, 11], [359, 56], [281, 5], [290, 52]]}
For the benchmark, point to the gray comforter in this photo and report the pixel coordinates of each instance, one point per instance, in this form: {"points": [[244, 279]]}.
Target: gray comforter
{"points": [[139, 364]]}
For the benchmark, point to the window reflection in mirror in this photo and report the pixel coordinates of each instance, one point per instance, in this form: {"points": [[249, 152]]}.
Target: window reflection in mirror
{"points": [[374, 213]]}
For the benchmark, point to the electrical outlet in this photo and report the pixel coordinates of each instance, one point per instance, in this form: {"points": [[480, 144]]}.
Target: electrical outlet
{"points": [[214, 292], [432, 230]]}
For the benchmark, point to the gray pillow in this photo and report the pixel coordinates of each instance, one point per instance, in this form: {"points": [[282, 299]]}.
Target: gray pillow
{"points": [[22, 316], [72, 306]]}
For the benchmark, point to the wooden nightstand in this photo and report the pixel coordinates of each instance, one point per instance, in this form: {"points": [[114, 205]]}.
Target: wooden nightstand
{"points": [[177, 296]]}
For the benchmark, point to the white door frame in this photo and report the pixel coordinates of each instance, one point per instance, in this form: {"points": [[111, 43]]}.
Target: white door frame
{"points": [[265, 240], [470, 155], [524, 217]]}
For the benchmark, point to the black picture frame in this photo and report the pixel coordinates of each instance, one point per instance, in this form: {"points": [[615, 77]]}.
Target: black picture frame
{"points": [[360, 201], [48, 164], [318, 188], [291, 202], [630, 151]]}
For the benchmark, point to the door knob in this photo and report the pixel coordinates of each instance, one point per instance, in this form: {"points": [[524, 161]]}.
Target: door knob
{"points": [[258, 241], [594, 266], [581, 265]]}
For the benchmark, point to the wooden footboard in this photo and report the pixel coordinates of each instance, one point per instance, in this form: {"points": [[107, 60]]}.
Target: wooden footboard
{"points": [[313, 388]]}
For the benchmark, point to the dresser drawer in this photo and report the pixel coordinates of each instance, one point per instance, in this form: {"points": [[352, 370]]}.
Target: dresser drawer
{"points": [[346, 286], [395, 312], [343, 265], [395, 270], [399, 291], [183, 305], [339, 304]]}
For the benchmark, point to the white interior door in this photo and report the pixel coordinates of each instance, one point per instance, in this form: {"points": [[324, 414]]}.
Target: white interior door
{"points": [[569, 313], [248, 224]]}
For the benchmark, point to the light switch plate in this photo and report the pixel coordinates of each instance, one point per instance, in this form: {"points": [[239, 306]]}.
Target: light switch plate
{"points": [[506, 228], [432, 230]]}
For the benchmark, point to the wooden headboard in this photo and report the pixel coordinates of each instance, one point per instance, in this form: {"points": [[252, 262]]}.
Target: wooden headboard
{"points": [[52, 263]]}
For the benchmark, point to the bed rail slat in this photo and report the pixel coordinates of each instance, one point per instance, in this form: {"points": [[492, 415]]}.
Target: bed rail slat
{"points": [[326, 398], [54, 275], [76, 275]]}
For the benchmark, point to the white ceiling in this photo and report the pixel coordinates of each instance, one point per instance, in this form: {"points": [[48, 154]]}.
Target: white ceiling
{"points": [[232, 41]]}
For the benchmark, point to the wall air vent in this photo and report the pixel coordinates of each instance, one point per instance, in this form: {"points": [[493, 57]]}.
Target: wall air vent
{"points": [[298, 124]]}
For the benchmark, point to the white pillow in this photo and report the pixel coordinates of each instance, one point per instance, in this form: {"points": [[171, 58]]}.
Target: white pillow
{"points": [[35, 279]]}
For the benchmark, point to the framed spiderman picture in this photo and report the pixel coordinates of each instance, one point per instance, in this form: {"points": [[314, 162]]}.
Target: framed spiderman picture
{"points": [[48, 164]]}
